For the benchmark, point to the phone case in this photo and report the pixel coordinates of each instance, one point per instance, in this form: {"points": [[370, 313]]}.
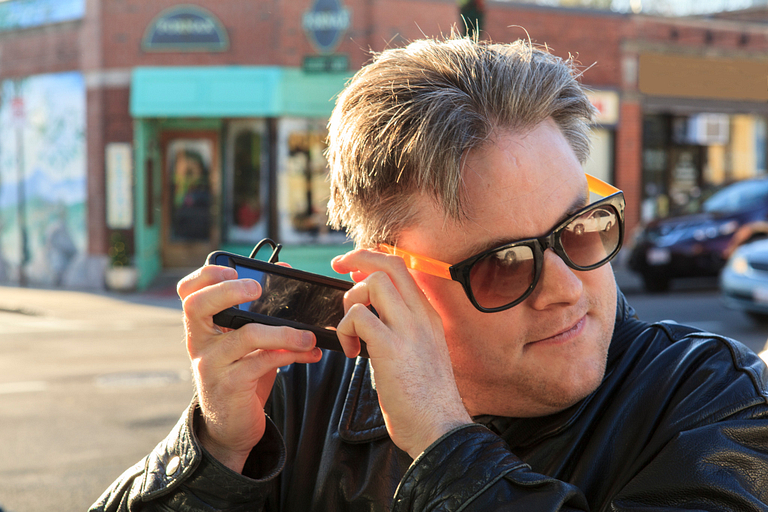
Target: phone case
{"points": [[235, 318]]}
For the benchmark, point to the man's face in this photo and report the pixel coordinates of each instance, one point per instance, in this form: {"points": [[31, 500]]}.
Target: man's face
{"points": [[549, 351]]}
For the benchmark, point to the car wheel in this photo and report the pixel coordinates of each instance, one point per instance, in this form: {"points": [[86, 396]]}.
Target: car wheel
{"points": [[655, 283]]}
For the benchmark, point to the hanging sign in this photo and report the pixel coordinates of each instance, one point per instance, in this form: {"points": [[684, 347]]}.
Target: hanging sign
{"points": [[185, 28], [325, 23]]}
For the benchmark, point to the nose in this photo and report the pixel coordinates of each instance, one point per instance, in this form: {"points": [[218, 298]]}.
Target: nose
{"points": [[558, 284]]}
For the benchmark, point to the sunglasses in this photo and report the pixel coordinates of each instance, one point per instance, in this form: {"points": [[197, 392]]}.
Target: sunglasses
{"points": [[504, 276]]}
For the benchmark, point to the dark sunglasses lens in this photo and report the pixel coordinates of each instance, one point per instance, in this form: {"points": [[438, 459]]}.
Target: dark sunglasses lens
{"points": [[592, 237], [502, 277]]}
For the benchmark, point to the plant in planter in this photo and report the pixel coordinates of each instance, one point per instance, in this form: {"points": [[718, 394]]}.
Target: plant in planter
{"points": [[120, 276]]}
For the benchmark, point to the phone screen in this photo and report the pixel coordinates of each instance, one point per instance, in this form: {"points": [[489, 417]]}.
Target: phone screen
{"points": [[294, 299]]}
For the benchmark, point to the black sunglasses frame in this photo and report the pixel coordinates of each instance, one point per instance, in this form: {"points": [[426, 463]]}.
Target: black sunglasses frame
{"points": [[460, 272]]}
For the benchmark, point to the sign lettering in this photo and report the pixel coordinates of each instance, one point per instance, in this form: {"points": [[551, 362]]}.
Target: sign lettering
{"points": [[185, 28]]}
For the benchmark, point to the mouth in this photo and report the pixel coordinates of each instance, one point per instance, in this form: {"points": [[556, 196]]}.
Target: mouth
{"points": [[564, 336]]}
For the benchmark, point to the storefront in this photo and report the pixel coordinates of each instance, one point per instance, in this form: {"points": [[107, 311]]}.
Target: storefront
{"points": [[713, 136], [226, 156], [686, 157]]}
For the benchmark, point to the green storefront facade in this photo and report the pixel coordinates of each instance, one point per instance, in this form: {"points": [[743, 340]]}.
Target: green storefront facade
{"points": [[226, 155]]}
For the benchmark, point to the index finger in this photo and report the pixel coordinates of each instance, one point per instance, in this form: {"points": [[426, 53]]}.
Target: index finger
{"points": [[363, 262], [203, 277], [201, 305]]}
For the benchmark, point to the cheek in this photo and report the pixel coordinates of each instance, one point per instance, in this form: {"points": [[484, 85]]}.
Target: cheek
{"points": [[467, 330], [451, 303], [600, 285]]}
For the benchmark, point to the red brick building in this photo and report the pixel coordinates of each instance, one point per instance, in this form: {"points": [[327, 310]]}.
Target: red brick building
{"points": [[199, 125], [673, 79]]}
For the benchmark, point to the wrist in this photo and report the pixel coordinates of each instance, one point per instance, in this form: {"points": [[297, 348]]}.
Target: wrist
{"points": [[439, 431], [232, 459]]}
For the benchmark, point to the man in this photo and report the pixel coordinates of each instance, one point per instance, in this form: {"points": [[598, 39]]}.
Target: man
{"points": [[512, 377]]}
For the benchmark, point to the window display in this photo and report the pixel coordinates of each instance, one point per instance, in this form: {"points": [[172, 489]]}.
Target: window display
{"points": [[686, 158], [303, 185], [247, 199]]}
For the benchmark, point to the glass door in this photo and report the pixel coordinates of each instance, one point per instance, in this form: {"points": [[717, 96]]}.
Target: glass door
{"points": [[191, 192]]}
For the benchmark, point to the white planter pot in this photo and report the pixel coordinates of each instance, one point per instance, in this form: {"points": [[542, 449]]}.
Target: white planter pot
{"points": [[121, 279]]}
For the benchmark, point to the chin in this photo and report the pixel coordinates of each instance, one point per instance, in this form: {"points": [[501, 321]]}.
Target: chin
{"points": [[538, 393], [574, 390]]}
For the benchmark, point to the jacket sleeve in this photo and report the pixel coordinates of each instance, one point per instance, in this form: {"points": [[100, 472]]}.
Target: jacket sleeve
{"points": [[180, 475], [721, 466], [471, 468]]}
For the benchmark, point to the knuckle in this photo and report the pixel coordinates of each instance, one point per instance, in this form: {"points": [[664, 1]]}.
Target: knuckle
{"points": [[190, 303], [291, 337], [186, 284], [379, 278], [357, 310], [396, 262]]}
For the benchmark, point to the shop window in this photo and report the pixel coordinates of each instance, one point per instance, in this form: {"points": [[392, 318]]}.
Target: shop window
{"points": [[247, 198], [695, 156], [303, 185]]}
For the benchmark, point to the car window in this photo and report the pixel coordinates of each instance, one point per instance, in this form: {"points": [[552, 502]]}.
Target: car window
{"points": [[739, 196]]}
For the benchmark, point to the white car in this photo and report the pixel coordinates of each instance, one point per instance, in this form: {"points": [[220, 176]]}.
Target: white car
{"points": [[744, 280]]}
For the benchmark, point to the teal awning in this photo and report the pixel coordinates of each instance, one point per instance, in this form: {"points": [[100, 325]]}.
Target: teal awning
{"points": [[220, 91]]}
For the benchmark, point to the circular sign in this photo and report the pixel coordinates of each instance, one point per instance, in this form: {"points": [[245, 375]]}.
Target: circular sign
{"points": [[324, 23]]}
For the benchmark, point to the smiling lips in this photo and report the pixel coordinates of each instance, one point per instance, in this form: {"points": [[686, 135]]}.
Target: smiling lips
{"points": [[565, 335]]}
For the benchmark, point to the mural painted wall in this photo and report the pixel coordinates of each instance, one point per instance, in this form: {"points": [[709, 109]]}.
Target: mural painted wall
{"points": [[43, 228], [16, 14]]}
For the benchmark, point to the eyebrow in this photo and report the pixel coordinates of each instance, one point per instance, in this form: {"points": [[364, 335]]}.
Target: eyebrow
{"points": [[581, 201]]}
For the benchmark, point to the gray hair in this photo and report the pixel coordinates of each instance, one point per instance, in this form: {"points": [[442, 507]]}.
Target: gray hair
{"points": [[405, 122]]}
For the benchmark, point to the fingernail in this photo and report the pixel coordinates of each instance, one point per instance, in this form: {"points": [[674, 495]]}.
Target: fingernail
{"points": [[252, 288], [307, 338], [230, 273]]}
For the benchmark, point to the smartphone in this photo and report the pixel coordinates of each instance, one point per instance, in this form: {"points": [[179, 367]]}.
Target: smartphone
{"points": [[291, 297]]}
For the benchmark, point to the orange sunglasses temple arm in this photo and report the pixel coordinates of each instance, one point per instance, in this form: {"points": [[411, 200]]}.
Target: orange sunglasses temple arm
{"points": [[420, 263], [598, 186]]}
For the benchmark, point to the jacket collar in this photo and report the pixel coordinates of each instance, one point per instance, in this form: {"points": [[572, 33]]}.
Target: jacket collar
{"points": [[361, 418]]}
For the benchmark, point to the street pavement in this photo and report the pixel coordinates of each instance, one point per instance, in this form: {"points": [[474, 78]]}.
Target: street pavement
{"points": [[89, 384]]}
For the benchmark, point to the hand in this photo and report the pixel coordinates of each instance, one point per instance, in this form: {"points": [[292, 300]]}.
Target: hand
{"points": [[234, 370], [412, 367]]}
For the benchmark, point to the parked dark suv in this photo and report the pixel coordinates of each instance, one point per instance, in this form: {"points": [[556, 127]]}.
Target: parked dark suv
{"points": [[693, 245]]}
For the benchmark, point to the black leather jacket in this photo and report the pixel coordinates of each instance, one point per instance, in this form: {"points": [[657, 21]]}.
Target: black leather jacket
{"points": [[680, 422]]}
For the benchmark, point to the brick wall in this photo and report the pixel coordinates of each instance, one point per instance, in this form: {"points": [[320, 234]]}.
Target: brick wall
{"points": [[97, 235], [629, 178], [701, 35], [593, 38], [48, 49], [269, 32]]}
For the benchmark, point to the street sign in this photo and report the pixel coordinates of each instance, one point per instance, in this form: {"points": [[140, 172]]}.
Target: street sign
{"points": [[336, 63], [325, 23]]}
